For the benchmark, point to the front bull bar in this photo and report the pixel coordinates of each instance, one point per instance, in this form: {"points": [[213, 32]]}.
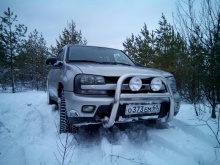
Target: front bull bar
{"points": [[109, 122]]}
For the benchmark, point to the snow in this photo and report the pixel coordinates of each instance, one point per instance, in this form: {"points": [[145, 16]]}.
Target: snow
{"points": [[28, 136]]}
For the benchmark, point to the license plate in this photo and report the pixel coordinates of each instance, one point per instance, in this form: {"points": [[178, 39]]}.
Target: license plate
{"points": [[142, 109]]}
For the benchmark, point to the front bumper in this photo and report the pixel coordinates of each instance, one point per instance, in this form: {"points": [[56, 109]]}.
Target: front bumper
{"points": [[110, 110]]}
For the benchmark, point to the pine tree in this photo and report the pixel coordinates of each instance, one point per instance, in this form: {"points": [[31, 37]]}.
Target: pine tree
{"points": [[170, 52], [141, 48], [130, 47], [69, 36], [162, 49], [3, 66], [166, 52], [11, 35], [31, 61]]}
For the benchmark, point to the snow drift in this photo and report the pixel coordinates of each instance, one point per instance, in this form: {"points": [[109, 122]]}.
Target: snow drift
{"points": [[29, 136]]}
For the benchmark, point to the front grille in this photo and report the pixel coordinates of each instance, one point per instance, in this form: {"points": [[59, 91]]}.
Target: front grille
{"points": [[114, 80]]}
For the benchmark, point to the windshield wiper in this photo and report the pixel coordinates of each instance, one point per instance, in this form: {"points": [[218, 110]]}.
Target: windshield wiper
{"points": [[85, 61], [112, 63], [115, 63]]}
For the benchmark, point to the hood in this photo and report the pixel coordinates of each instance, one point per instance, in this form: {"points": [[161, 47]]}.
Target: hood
{"points": [[116, 70]]}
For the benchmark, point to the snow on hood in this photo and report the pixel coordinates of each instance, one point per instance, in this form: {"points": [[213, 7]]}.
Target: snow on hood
{"points": [[116, 70]]}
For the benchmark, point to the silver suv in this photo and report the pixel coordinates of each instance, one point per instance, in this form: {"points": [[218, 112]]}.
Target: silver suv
{"points": [[93, 85]]}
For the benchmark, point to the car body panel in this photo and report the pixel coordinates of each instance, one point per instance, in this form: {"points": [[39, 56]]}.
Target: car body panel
{"points": [[116, 70]]}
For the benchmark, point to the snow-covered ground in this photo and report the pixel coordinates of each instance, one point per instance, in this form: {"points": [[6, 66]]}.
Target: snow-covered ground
{"points": [[28, 136]]}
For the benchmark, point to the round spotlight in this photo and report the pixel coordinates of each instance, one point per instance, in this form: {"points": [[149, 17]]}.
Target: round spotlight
{"points": [[135, 84], [156, 84]]}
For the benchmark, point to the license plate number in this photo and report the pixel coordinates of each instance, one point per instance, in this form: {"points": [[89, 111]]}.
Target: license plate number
{"points": [[142, 109]]}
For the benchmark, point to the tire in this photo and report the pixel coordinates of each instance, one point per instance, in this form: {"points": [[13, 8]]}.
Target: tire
{"points": [[63, 115], [65, 126]]}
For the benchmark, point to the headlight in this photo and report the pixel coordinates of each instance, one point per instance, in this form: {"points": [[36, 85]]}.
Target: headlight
{"points": [[90, 81], [135, 84], [156, 84], [172, 82]]}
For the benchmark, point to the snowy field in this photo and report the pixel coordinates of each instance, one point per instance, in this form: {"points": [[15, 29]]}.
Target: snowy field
{"points": [[28, 136]]}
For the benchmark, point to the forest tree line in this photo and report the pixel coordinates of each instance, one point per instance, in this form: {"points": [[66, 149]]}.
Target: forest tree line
{"points": [[189, 49], [23, 56]]}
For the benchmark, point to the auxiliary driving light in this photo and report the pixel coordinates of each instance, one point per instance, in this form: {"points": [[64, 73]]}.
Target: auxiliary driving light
{"points": [[156, 84], [135, 84]]}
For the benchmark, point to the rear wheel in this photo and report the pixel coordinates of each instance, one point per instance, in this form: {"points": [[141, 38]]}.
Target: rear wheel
{"points": [[65, 126]]}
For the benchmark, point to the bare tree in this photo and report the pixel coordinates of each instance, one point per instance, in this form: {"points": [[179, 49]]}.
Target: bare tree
{"points": [[203, 26]]}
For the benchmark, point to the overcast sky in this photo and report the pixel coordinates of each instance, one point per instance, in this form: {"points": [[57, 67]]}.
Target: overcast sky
{"points": [[102, 22]]}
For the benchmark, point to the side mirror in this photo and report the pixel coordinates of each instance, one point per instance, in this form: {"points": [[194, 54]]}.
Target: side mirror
{"points": [[51, 61]]}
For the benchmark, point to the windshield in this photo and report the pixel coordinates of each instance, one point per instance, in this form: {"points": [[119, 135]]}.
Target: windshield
{"points": [[97, 54]]}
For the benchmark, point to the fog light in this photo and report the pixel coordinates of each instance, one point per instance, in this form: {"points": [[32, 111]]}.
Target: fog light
{"points": [[88, 108], [73, 113], [156, 84], [135, 84]]}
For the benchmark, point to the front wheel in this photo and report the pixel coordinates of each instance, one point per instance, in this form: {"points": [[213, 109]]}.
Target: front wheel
{"points": [[65, 126]]}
